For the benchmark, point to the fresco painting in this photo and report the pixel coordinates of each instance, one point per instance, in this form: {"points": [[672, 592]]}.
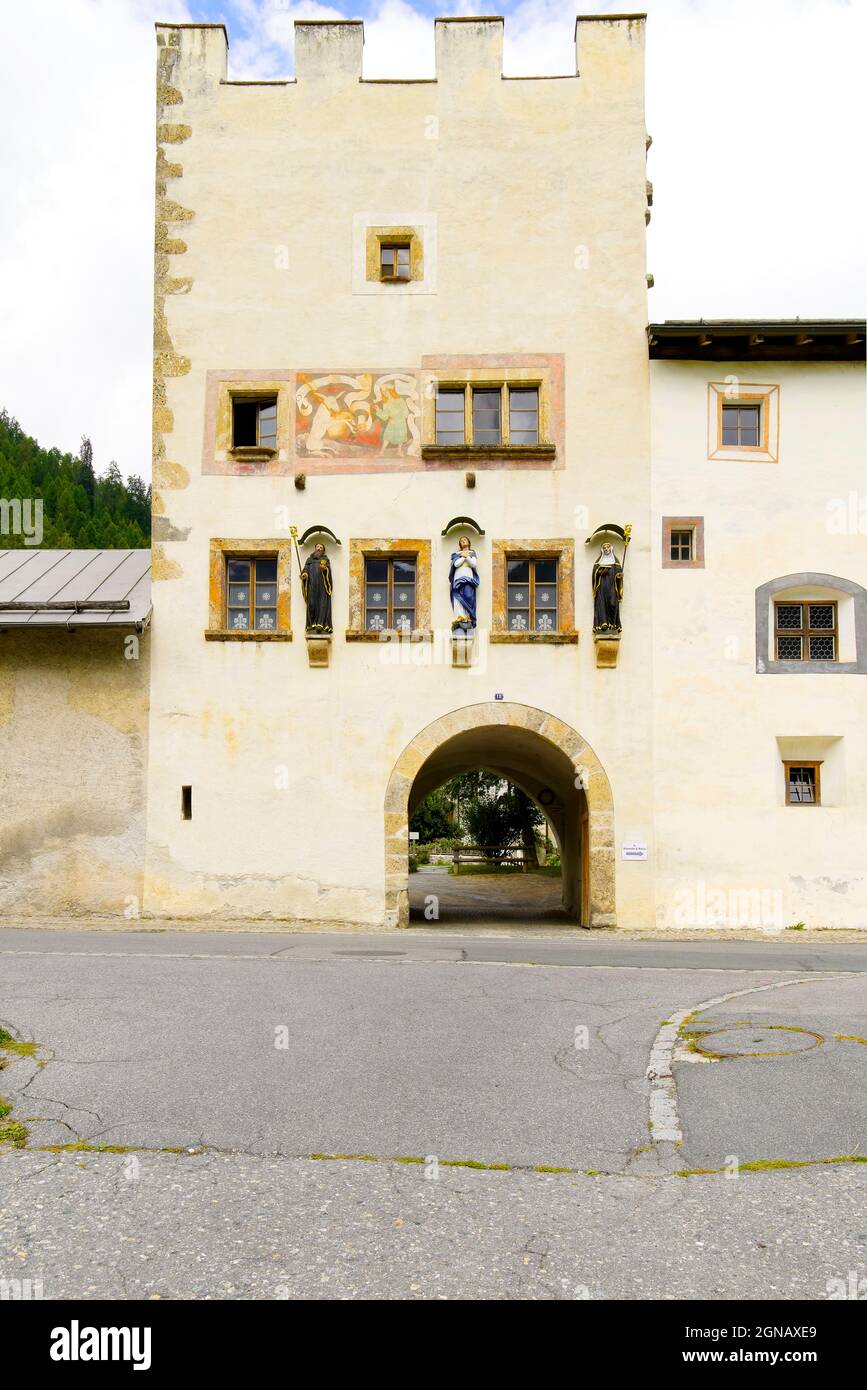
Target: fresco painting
{"points": [[362, 415]]}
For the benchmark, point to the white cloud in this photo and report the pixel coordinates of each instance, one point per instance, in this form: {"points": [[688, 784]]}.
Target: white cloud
{"points": [[753, 108]]}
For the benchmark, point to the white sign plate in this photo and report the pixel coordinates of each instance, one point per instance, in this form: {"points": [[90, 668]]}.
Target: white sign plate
{"points": [[634, 849]]}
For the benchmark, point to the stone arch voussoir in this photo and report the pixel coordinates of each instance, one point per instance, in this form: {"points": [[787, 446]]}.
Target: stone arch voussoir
{"points": [[593, 780]]}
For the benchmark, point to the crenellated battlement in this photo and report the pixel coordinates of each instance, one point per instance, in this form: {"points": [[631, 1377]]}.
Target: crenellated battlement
{"points": [[466, 48]]}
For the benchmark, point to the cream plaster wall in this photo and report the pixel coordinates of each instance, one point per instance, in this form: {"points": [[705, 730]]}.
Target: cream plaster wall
{"points": [[538, 189], [73, 753], [722, 826]]}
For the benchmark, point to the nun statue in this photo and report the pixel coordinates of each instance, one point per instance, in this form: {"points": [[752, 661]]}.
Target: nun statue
{"points": [[463, 583], [607, 592]]}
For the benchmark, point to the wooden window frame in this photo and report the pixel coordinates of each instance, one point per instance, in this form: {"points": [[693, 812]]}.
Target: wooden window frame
{"points": [[253, 561], [695, 524], [805, 632], [563, 551], [395, 246], [760, 406], [220, 551], [389, 560], [676, 540], [531, 604], [816, 765], [258, 450]]}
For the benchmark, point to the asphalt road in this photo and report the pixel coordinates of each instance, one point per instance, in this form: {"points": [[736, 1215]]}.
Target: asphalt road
{"points": [[273, 1056]]}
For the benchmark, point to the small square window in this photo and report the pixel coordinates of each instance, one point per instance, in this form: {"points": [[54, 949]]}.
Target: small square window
{"points": [[803, 787], [394, 261], [682, 544], [254, 423], [741, 426]]}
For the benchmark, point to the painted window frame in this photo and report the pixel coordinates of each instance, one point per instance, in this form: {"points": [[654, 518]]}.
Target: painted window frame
{"points": [[377, 238], [561, 550], [220, 455], [221, 550], [383, 548], [736, 392]]}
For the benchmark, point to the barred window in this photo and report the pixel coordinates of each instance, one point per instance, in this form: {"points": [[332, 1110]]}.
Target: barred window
{"points": [[806, 631]]}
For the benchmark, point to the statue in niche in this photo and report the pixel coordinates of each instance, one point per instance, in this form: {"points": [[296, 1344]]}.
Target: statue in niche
{"points": [[607, 591], [316, 586], [463, 583]]}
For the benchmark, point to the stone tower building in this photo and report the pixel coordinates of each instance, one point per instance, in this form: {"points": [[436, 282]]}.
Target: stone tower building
{"points": [[391, 313]]}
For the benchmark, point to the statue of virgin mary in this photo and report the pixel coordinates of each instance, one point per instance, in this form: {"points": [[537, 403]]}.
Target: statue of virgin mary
{"points": [[463, 583]]}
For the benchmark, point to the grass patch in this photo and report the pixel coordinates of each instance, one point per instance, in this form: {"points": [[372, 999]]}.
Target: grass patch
{"points": [[10, 1044], [80, 1146], [334, 1158], [551, 1168], [11, 1132], [768, 1165], [5, 1107], [850, 1037], [474, 1163]]}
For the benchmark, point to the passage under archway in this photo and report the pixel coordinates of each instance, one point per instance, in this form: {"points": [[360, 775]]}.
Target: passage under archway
{"points": [[543, 756]]}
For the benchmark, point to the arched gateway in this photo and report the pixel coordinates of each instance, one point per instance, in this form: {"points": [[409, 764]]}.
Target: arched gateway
{"points": [[545, 758]]}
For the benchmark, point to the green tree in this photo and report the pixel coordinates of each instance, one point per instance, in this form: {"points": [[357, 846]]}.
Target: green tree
{"points": [[80, 511], [433, 820], [495, 814]]}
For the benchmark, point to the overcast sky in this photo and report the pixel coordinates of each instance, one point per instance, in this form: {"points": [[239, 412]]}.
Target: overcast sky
{"points": [[757, 165]]}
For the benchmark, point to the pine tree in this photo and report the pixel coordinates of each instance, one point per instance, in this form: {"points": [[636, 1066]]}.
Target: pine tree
{"points": [[80, 510]]}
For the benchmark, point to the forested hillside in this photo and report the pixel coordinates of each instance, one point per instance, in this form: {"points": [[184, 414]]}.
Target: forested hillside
{"points": [[80, 510]]}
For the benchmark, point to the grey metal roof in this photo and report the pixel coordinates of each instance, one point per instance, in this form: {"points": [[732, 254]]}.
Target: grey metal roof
{"points": [[74, 588]]}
